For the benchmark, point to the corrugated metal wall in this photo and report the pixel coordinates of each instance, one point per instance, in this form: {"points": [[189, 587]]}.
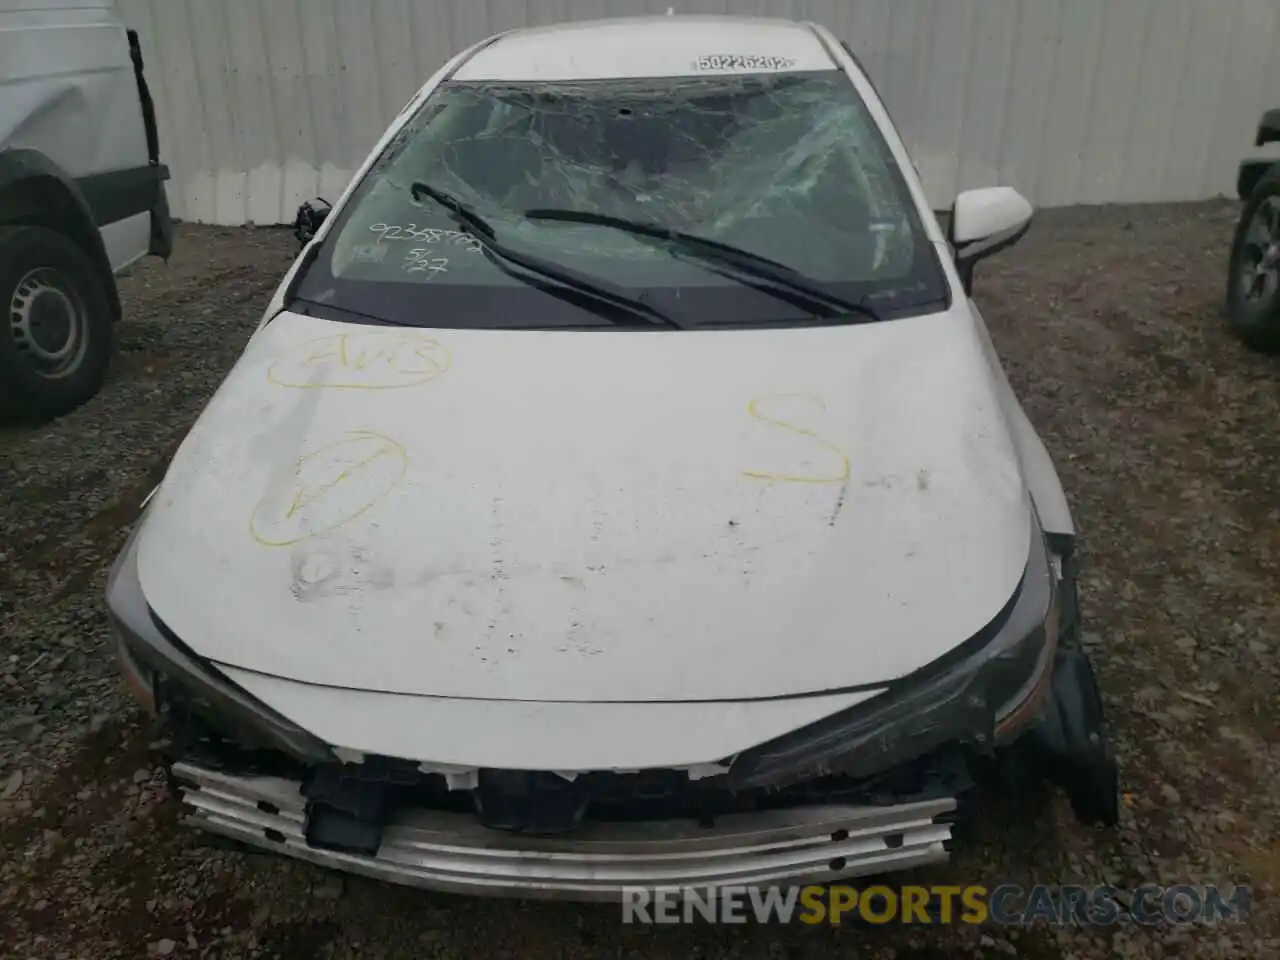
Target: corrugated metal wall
{"points": [[265, 103]]}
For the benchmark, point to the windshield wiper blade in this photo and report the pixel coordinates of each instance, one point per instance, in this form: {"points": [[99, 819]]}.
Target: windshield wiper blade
{"points": [[463, 214], [777, 279], [601, 290]]}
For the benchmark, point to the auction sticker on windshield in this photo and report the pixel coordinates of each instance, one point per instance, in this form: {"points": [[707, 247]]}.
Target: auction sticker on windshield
{"points": [[734, 61]]}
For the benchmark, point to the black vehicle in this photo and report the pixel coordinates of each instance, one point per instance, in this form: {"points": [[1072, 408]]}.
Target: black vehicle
{"points": [[1253, 282]]}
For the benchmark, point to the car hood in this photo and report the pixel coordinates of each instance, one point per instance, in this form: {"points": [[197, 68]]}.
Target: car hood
{"points": [[591, 516]]}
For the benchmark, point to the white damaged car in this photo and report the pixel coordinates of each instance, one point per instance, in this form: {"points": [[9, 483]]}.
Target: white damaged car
{"points": [[620, 490]]}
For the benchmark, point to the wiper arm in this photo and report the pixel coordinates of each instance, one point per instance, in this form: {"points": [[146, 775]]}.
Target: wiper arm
{"points": [[777, 279], [600, 290], [329, 311]]}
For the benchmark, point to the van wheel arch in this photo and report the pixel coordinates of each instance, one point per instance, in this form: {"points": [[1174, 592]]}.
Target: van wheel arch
{"points": [[36, 192]]}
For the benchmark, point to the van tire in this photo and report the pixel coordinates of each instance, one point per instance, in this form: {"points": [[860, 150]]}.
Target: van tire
{"points": [[1253, 289], [56, 330]]}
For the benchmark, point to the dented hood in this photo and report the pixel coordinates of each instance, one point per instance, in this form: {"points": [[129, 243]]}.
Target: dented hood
{"points": [[591, 516]]}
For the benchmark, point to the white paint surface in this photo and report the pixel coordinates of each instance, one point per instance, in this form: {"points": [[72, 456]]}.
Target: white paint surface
{"points": [[538, 736], [648, 47], [581, 516], [67, 87], [263, 103]]}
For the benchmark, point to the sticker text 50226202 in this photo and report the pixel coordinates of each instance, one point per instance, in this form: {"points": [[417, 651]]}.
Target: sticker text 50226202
{"points": [[737, 61]]}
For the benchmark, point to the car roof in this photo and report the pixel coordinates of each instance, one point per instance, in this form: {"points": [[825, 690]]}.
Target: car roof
{"points": [[630, 47]]}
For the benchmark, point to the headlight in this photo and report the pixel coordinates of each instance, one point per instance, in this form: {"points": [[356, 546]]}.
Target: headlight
{"points": [[984, 692], [147, 654], [1014, 668]]}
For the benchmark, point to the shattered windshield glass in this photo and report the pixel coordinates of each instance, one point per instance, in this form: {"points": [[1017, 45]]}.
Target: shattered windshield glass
{"points": [[784, 166]]}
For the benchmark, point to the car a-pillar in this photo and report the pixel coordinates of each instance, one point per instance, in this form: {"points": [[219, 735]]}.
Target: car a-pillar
{"points": [[58, 298]]}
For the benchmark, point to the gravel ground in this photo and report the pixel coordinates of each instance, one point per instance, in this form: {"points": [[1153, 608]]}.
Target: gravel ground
{"points": [[1167, 434]]}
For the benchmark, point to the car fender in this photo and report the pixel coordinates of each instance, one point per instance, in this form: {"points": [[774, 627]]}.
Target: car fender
{"points": [[1038, 470]]}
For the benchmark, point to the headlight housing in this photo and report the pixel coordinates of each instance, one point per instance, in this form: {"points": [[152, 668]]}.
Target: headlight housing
{"points": [[147, 655], [983, 693]]}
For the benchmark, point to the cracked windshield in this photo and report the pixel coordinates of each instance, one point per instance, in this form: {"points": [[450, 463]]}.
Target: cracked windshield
{"points": [[623, 183]]}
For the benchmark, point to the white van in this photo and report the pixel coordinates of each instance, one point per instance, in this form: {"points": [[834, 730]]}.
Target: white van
{"points": [[81, 195]]}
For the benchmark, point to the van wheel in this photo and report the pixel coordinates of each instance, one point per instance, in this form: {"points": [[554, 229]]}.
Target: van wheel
{"points": [[55, 323]]}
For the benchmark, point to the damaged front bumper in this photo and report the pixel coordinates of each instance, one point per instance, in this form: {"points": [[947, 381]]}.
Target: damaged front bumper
{"points": [[538, 835], [467, 842], [452, 852], [597, 836]]}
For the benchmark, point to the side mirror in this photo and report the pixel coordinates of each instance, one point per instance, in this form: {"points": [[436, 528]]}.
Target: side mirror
{"points": [[310, 216], [1268, 129], [984, 222]]}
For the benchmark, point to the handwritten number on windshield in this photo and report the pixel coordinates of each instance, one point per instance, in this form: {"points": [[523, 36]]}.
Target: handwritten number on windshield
{"points": [[420, 260], [425, 235]]}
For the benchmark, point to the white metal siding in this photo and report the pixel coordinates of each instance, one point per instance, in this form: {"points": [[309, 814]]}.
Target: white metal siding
{"points": [[265, 103]]}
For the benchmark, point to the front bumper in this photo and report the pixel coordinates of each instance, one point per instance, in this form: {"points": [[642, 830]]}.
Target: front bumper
{"points": [[829, 835], [453, 853]]}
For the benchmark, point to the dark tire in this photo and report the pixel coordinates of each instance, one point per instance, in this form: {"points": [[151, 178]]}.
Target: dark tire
{"points": [[1253, 279], [56, 327]]}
